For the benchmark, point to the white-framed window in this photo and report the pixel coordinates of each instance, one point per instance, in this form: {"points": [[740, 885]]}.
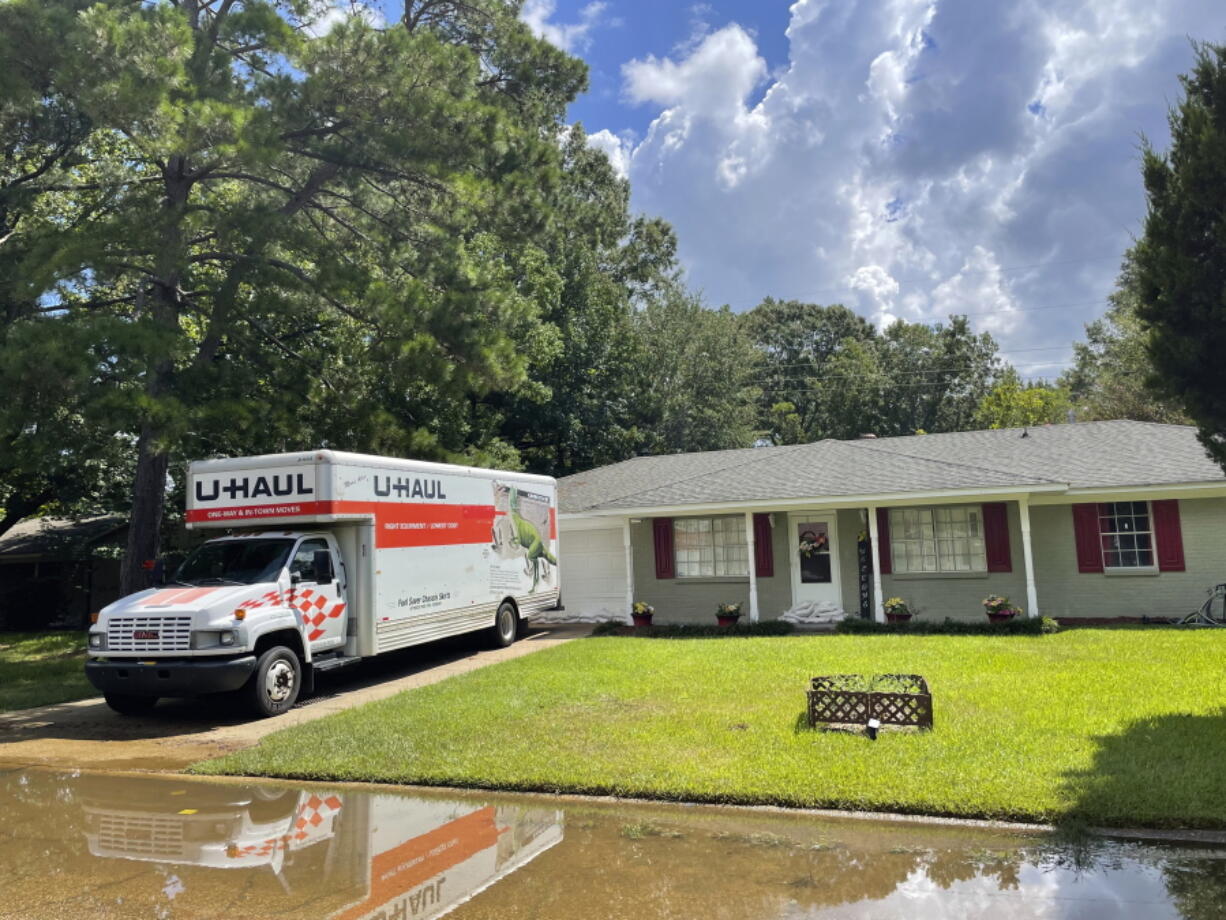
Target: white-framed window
{"points": [[710, 547], [1126, 532], [945, 538]]}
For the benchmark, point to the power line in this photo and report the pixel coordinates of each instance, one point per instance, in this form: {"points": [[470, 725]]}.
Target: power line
{"points": [[938, 369]]}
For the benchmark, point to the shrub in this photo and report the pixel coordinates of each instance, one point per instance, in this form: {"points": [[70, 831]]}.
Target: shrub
{"points": [[696, 630], [1019, 626]]}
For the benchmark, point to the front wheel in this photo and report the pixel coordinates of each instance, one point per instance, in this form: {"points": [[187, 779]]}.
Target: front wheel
{"points": [[126, 704], [276, 682], [506, 625]]}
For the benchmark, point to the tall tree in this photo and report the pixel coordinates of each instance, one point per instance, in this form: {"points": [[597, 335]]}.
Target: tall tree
{"points": [[1111, 372], [1181, 256], [938, 375], [270, 199], [591, 267], [1012, 403], [694, 386], [797, 343]]}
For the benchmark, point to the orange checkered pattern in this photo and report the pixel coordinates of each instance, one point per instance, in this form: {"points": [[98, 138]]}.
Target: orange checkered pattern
{"points": [[311, 814], [309, 606]]}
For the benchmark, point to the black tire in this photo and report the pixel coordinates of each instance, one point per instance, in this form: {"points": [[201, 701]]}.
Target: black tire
{"points": [[275, 684], [506, 625], [127, 704]]}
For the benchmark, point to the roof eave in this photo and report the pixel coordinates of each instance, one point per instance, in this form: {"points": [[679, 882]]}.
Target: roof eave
{"points": [[887, 499]]}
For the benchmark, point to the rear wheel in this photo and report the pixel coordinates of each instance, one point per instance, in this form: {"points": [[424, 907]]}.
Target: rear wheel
{"points": [[278, 678], [127, 704], [506, 625]]}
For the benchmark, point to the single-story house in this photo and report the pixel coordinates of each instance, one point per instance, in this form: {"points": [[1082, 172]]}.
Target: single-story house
{"points": [[55, 571], [1092, 519]]}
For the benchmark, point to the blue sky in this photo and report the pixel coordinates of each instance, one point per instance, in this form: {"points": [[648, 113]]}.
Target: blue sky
{"points": [[909, 158]]}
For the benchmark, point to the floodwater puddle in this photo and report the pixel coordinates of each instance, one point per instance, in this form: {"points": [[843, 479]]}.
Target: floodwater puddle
{"points": [[105, 845]]}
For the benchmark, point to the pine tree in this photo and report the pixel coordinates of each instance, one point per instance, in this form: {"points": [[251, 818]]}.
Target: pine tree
{"points": [[1181, 258]]}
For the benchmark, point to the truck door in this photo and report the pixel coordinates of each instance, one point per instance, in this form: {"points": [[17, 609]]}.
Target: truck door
{"points": [[319, 600]]}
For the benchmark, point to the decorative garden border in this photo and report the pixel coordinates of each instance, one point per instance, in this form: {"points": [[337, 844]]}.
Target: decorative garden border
{"points": [[850, 699]]}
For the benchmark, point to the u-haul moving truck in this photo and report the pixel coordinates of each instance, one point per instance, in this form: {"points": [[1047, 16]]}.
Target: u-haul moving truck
{"points": [[344, 855], [330, 558]]}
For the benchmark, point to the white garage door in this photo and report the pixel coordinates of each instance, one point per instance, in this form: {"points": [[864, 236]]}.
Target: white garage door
{"points": [[593, 573]]}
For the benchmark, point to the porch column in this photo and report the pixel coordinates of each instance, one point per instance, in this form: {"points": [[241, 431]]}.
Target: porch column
{"points": [[1032, 597], [753, 569], [629, 567], [875, 556]]}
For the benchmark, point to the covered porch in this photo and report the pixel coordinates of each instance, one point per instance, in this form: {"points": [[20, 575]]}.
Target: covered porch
{"points": [[941, 552]]}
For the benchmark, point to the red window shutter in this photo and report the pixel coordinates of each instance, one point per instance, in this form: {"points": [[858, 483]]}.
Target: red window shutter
{"points": [[662, 533], [763, 547], [1168, 535], [1085, 536], [883, 538], [996, 537]]}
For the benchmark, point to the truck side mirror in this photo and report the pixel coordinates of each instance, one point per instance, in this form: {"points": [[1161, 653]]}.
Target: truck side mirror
{"points": [[323, 567]]}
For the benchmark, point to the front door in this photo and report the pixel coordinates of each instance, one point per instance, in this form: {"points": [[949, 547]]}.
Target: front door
{"points": [[815, 558], [320, 607]]}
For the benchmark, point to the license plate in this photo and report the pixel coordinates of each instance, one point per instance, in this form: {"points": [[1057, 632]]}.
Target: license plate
{"points": [[145, 634]]}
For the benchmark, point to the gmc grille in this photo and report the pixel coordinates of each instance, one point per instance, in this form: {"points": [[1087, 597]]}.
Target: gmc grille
{"points": [[174, 634], [141, 836]]}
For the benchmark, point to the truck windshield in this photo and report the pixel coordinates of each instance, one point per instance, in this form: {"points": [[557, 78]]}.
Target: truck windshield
{"points": [[236, 562]]}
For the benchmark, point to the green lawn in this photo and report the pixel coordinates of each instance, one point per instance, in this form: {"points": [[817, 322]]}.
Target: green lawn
{"points": [[1104, 726], [37, 669]]}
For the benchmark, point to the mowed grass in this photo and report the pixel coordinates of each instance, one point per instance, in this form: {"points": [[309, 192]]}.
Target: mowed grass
{"points": [[1116, 727], [38, 669]]}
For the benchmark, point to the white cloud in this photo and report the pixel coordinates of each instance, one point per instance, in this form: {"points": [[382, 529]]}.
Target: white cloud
{"points": [[712, 80], [574, 36], [914, 157], [617, 149]]}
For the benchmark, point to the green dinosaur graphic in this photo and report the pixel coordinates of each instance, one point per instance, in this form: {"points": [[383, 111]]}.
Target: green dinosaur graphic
{"points": [[527, 536]]}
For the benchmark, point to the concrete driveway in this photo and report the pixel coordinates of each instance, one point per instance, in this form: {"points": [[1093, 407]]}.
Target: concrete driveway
{"points": [[87, 735]]}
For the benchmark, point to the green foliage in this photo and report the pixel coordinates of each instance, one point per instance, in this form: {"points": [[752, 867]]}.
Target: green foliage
{"points": [[1180, 259], [694, 385], [1099, 726], [229, 235], [1014, 404], [824, 372], [1111, 373], [696, 630], [1018, 626]]}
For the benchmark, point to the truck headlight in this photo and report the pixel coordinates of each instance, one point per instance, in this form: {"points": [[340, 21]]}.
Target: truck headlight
{"points": [[97, 640], [212, 638]]}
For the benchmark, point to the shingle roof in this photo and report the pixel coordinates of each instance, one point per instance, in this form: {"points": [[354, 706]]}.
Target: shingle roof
{"points": [[1082, 455], [58, 538]]}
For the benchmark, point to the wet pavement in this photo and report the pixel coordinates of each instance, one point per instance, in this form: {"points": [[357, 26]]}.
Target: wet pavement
{"points": [[87, 734], [149, 846]]}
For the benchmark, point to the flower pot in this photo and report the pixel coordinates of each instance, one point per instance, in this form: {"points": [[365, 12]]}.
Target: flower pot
{"points": [[897, 617], [641, 620], [1001, 617], [727, 619]]}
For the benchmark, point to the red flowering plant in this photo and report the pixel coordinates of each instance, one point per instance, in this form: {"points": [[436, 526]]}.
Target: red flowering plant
{"points": [[999, 607]]}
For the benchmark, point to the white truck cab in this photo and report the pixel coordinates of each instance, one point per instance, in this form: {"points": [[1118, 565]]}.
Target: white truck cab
{"points": [[376, 554]]}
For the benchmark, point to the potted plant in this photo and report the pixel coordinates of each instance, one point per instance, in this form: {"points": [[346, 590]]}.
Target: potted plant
{"points": [[897, 610], [641, 613], [999, 609], [727, 614]]}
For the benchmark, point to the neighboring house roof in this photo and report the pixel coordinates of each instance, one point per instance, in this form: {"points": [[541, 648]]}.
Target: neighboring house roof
{"points": [[1045, 458], [57, 538]]}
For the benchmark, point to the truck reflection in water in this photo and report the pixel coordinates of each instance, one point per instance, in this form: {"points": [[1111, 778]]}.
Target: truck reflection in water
{"points": [[355, 856]]}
